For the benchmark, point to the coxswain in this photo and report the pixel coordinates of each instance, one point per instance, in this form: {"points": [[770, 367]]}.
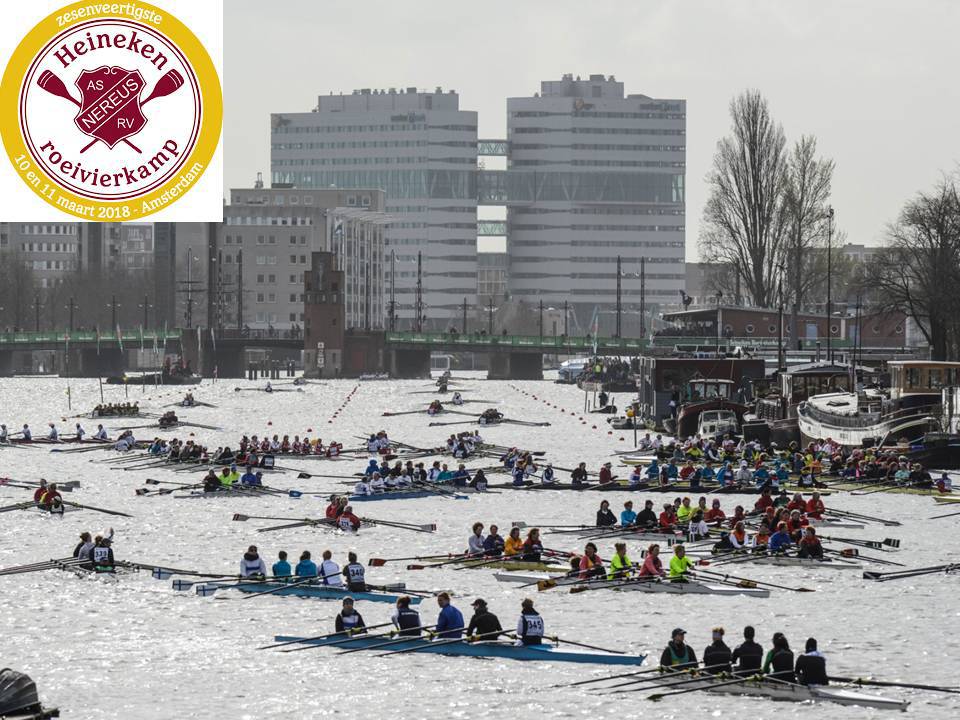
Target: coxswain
{"points": [[590, 564], [530, 627], [809, 546], [80, 432], [678, 655], [27, 435], [605, 516], [652, 565], [815, 507], [493, 543], [697, 529], [268, 388], [251, 564], [513, 546], [40, 491], [84, 547], [680, 564], [349, 621], [621, 567], [779, 660], [281, 568], [405, 618], [717, 655], [532, 547], [450, 620], [748, 654], [354, 573], [457, 398], [51, 500], [475, 541], [211, 483], [101, 433], [329, 570], [102, 557], [348, 522], [484, 625], [306, 568], [811, 667]]}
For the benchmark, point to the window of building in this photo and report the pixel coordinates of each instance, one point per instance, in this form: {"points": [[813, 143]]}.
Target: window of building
{"points": [[303, 259], [273, 240], [293, 278], [259, 239], [260, 278], [261, 259], [272, 260], [293, 297], [272, 279], [260, 297], [294, 199], [293, 239], [303, 239], [351, 200], [272, 297]]}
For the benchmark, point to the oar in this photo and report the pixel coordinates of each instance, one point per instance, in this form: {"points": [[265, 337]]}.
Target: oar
{"points": [[584, 645], [754, 582], [433, 644], [458, 558], [707, 685], [19, 506], [658, 669], [428, 528], [854, 553], [96, 509], [881, 683], [301, 641], [872, 544], [380, 562], [391, 634], [858, 516], [937, 517], [904, 574], [37, 566], [284, 586]]}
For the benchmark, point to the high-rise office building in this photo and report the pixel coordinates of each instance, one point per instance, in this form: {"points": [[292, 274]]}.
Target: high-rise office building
{"points": [[595, 174], [418, 147]]}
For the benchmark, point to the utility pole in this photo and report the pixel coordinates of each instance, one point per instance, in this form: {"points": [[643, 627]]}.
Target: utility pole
{"points": [[619, 307], [146, 306], [643, 297], [418, 326], [393, 291], [36, 308], [829, 281], [780, 354], [239, 290], [464, 316], [71, 307], [189, 317], [565, 313], [490, 316]]}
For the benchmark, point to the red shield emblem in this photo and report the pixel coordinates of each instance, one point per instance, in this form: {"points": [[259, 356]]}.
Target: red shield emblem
{"points": [[110, 106]]}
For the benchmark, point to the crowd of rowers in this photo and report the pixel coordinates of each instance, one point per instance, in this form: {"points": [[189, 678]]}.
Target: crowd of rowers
{"points": [[384, 477], [116, 409], [96, 553], [254, 446], [351, 576], [53, 433], [749, 463]]}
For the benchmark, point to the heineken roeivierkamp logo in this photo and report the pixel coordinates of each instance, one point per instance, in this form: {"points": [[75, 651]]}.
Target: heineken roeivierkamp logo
{"points": [[110, 110]]}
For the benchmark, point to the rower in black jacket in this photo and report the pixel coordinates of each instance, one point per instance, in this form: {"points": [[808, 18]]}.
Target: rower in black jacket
{"points": [[717, 655], [811, 667], [483, 621], [605, 517], [349, 619], [647, 518], [406, 619], [748, 654]]}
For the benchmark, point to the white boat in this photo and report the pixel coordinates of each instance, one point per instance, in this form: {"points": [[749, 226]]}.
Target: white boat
{"points": [[798, 693], [525, 577], [794, 561], [840, 524], [690, 587]]}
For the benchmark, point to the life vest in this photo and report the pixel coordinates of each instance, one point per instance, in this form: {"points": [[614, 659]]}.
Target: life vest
{"points": [[350, 621], [355, 574], [676, 659]]}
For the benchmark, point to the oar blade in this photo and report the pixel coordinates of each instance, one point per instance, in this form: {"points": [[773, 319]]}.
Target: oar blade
{"points": [[182, 585], [161, 574], [207, 590], [240, 517]]}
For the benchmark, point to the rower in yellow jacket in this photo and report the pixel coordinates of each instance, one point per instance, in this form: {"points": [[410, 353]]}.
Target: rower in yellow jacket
{"points": [[620, 565], [229, 476], [680, 564]]}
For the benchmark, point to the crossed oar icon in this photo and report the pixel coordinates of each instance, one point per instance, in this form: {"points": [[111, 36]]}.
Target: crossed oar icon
{"points": [[170, 81]]}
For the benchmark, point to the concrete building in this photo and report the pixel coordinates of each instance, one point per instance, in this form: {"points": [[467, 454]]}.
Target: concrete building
{"points": [[420, 149], [52, 250], [594, 174], [491, 276]]}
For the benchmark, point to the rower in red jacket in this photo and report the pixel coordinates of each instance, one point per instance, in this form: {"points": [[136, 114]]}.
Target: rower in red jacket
{"points": [[764, 501], [715, 514], [652, 565], [797, 503], [333, 509], [815, 507], [606, 476], [348, 521], [668, 518], [40, 491]]}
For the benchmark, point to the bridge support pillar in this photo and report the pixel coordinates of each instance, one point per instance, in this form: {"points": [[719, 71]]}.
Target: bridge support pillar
{"points": [[6, 363], [409, 363], [109, 361], [515, 366]]}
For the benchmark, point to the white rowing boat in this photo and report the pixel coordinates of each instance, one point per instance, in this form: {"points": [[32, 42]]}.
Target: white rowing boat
{"points": [[688, 587], [844, 524], [794, 561]]}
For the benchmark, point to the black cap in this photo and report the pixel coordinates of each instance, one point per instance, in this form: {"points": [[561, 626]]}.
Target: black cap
{"points": [[678, 631], [479, 601]]}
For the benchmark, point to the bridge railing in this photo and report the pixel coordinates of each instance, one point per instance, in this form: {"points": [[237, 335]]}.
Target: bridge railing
{"points": [[747, 341], [89, 336], [559, 343]]}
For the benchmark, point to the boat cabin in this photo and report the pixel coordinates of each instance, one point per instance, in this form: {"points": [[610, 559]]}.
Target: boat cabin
{"points": [[717, 423], [800, 383], [703, 389], [913, 382]]}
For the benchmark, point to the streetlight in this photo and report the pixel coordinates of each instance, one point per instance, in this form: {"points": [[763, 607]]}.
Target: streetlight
{"points": [[146, 306], [490, 316], [780, 353], [36, 308], [719, 319], [71, 306], [113, 304], [829, 305]]}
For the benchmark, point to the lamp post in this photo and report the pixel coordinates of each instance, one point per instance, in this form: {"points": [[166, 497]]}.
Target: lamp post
{"points": [[829, 281], [719, 319], [71, 306], [36, 310], [643, 297], [146, 306], [393, 290], [780, 353], [419, 302], [541, 319], [619, 304]]}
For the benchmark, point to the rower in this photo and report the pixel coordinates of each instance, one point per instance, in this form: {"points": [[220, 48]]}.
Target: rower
{"points": [[80, 432], [51, 500], [513, 546], [281, 568], [102, 557], [483, 623], [84, 547], [457, 398], [349, 621], [40, 491], [252, 565], [579, 475], [329, 570], [748, 654], [697, 529], [652, 565], [248, 478], [547, 476], [717, 655], [227, 478], [678, 655], [780, 540], [268, 388], [530, 625], [815, 507], [811, 668], [493, 544], [779, 660], [354, 573], [605, 516], [684, 512], [333, 509], [620, 565], [810, 546], [450, 620], [532, 547], [27, 435], [606, 474], [348, 522], [405, 618], [590, 564], [627, 516], [475, 541], [4, 434], [211, 483], [306, 568], [647, 518], [363, 488], [680, 564], [53, 434]]}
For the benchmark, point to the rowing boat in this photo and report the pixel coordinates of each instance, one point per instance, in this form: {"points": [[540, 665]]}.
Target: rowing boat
{"points": [[317, 591], [403, 495], [829, 523], [794, 561], [493, 648], [649, 586], [796, 693], [513, 565]]}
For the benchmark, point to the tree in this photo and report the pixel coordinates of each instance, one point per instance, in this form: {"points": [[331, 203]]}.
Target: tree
{"points": [[805, 203], [18, 284], [745, 222], [920, 270]]}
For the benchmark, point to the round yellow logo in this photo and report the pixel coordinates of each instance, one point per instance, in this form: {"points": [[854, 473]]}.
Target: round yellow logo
{"points": [[110, 111]]}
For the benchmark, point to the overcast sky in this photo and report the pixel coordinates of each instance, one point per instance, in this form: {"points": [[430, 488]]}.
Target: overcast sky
{"points": [[877, 82]]}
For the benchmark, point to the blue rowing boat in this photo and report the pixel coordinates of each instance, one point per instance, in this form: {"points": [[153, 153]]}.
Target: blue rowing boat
{"points": [[404, 495], [484, 648], [317, 591]]}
